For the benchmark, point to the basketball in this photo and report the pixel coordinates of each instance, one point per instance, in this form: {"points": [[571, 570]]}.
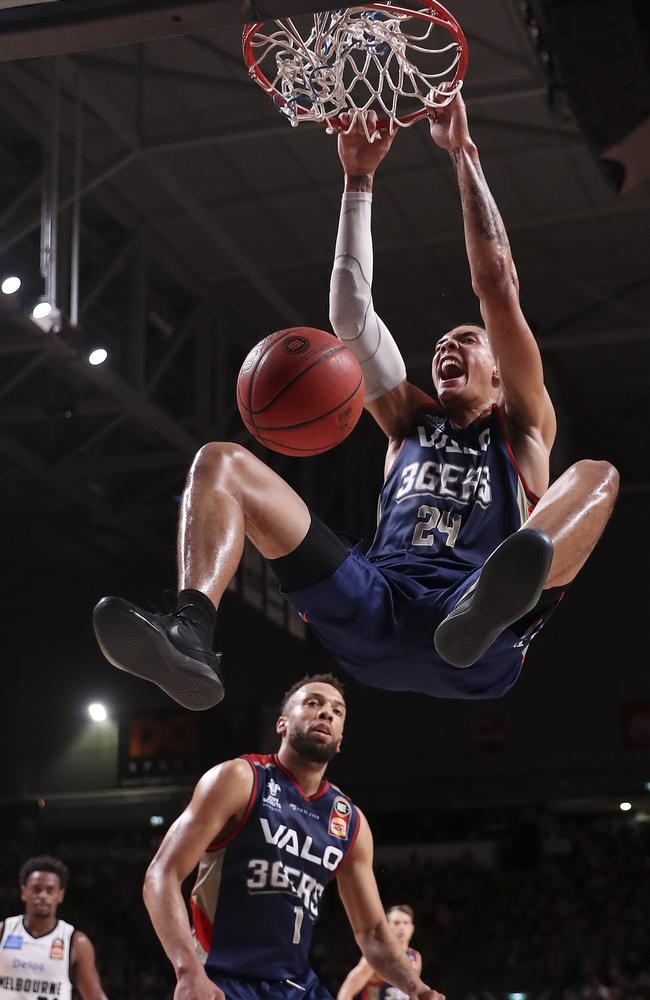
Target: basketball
{"points": [[300, 391]]}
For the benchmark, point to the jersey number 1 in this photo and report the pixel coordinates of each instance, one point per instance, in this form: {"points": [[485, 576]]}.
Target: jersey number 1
{"points": [[300, 913]]}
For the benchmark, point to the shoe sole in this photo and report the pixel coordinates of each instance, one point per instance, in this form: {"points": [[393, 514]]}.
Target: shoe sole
{"points": [[510, 585], [131, 644]]}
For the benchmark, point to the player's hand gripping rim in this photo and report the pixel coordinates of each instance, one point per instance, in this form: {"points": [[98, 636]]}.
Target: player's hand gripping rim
{"points": [[358, 156]]}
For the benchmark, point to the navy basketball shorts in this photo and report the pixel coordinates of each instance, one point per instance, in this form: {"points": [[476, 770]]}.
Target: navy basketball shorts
{"points": [[379, 625], [305, 987]]}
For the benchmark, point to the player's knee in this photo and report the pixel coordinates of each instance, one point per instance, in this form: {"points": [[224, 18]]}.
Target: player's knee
{"points": [[611, 476], [220, 458], [602, 474]]}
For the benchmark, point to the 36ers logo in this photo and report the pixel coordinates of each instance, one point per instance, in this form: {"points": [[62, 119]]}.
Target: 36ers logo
{"points": [[340, 818], [57, 951], [295, 345]]}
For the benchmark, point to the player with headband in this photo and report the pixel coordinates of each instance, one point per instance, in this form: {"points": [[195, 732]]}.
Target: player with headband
{"points": [[473, 548]]}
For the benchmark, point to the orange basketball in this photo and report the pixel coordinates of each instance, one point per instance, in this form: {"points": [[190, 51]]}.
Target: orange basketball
{"points": [[300, 391]]}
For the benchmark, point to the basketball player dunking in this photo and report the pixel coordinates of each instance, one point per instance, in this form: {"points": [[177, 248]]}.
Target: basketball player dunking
{"points": [[473, 547], [269, 833], [40, 955], [364, 980]]}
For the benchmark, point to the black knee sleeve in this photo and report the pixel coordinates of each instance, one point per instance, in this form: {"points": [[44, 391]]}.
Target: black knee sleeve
{"points": [[320, 553]]}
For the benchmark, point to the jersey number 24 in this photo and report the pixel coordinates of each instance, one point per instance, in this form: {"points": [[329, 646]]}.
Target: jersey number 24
{"points": [[435, 520]]}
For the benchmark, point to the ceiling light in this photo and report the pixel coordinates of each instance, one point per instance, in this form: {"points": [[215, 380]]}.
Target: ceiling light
{"points": [[625, 806], [41, 310], [11, 284], [97, 712], [98, 356], [47, 317]]}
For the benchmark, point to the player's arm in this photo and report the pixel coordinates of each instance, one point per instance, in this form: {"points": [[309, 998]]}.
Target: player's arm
{"points": [[494, 280], [378, 944], [356, 980], [389, 397], [84, 973], [219, 801]]}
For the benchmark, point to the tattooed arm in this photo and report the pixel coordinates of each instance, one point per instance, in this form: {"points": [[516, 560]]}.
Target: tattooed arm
{"points": [[494, 280]]}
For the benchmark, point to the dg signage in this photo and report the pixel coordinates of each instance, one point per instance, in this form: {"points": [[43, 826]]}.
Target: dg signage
{"points": [[159, 748]]}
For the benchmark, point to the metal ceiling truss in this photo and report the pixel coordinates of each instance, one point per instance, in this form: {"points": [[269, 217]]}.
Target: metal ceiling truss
{"points": [[126, 456]]}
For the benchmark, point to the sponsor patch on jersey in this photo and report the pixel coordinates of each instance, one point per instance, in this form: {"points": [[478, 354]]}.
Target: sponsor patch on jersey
{"points": [[13, 941], [31, 966], [57, 951], [340, 818], [271, 798]]}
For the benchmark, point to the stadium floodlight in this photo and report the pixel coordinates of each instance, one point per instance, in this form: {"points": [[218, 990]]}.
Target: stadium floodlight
{"points": [[97, 712], [625, 806], [156, 820], [98, 356], [10, 284]]}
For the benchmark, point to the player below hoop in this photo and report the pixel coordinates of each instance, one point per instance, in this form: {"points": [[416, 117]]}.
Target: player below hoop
{"points": [[269, 834]]}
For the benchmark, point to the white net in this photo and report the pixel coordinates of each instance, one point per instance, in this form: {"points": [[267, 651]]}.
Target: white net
{"points": [[394, 61]]}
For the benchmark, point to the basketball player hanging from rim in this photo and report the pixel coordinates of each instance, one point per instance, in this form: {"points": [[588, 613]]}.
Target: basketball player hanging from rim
{"points": [[473, 548]]}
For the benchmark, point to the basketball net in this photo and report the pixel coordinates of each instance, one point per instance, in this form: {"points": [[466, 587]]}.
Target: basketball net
{"points": [[401, 63]]}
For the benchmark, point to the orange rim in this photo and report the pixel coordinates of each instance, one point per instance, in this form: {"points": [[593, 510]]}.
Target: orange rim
{"points": [[436, 13]]}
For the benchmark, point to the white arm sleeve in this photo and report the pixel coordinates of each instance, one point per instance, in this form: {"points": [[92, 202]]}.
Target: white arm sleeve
{"points": [[352, 314]]}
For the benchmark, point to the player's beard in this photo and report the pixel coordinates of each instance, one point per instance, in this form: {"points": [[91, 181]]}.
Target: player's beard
{"points": [[317, 753]]}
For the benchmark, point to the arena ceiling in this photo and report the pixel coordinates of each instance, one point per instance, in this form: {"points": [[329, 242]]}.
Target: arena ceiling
{"points": [[208, 222]]}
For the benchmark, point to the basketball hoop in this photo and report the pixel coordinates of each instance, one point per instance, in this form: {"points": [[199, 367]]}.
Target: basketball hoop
{"points": [[397, 61]]}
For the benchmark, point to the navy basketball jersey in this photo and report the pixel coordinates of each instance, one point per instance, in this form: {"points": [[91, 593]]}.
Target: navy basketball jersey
{"points": [[452, 495], [379, 989], [257, 894]]}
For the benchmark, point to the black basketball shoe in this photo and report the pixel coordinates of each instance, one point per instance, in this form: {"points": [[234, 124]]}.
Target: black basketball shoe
{"points": [[509, 586], [164, 648]]}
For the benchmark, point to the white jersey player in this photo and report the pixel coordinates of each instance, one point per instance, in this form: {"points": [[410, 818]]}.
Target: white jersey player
{"points": [[41, 956]]}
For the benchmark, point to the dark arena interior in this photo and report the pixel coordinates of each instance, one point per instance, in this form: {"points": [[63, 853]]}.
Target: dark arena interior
{"points": [[172, 218]]}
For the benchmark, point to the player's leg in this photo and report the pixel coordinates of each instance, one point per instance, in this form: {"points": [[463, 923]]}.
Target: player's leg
{"points": [[546, 553], [230, 495], [573, 513]]}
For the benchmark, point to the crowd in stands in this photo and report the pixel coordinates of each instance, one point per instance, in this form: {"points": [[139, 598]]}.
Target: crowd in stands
{"points": [[563, 915], [567, 916]]}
